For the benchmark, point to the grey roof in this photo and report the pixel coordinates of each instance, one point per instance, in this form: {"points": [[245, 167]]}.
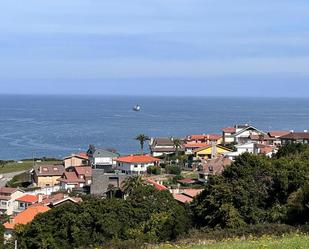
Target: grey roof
{"points": [[160, 141], [104, 153], [49, 170]]}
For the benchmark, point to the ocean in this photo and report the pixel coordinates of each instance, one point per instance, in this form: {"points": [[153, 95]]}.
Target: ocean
{"points": [[56, 126]]}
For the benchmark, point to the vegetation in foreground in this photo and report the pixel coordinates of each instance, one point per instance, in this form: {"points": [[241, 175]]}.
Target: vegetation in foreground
{"points": [[285, 242], [253, 191]]}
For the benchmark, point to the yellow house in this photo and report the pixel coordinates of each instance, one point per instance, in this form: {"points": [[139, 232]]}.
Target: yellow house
{"points": [[47, 175], [210, 151]]}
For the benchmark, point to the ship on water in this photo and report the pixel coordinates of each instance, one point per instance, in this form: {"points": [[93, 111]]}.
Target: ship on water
{"points": [[137, 108]]}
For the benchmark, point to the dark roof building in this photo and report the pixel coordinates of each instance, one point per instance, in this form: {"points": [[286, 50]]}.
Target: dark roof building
{"points": [[295, 137]]}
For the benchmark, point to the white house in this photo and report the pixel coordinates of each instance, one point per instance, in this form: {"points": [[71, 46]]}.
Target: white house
{"points": [[242, 135], [240, 149], [103, 159], [7, 199], [135, 164]]}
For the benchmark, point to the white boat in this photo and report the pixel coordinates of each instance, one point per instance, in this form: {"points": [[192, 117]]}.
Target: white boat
{"points": [[137, 108]]}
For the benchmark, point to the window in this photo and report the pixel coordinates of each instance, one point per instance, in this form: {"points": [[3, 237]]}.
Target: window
{"points": [[135, 166], [56, 169], [45, 169], [3, 203]]}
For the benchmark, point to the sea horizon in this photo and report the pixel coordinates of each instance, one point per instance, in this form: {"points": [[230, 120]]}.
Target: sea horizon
{"points": [[58, 125]]}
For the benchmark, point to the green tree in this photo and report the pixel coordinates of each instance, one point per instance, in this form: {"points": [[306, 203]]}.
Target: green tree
{"points": [[132, 183], [177, 145], [142, 138]]}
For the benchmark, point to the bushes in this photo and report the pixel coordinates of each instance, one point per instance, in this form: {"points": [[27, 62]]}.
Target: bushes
{"points": [[154, 170], [147, 215], [255, 190], [173, 169]]}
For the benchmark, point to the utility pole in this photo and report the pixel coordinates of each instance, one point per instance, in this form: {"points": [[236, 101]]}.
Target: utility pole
{"points": [[15, 244]]}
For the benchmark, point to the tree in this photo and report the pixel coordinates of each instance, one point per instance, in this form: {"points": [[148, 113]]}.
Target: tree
{"points": [[142, 138], [133, 183], [177, 145]]}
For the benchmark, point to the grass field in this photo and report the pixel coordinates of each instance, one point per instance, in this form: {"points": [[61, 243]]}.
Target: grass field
{"points": [[25, 165], [284, 242]]}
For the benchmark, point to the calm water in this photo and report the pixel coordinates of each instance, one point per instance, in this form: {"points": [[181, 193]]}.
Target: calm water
{"points": [[56, 126]]}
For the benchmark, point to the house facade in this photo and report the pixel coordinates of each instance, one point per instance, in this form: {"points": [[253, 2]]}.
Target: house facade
{"points": [[79, 177], [135, 164], [7, 199], [24, 202], [295, 137], [47, 175], [103, 159], [102, 182]]}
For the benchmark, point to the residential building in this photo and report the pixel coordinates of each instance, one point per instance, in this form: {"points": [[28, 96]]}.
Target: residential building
{"points": [[58, 199], [78, 177], [24, 202], [184, 196], [7, 199], [213, 167], [103, 159], [74, 160], [136, 164], [240, 149], [295, 137], [240, 134], [210, 151], [47, 175], [243, 133], [228, 135], [191, 147], [102, 182], [275, 135], [23, 218], [161, 146], [204, 138]]}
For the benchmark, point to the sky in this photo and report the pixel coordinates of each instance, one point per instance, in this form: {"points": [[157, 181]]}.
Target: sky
{"points": [[155, 47]]}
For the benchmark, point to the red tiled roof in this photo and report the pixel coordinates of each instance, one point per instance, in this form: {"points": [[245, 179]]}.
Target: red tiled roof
{"points": [[70, 177], [26, 216], [156, 185], [137, 159], [196, 145], [28, 198], [229, 129], [204, 136], [192, 192], [182, 198], [84, 170], [186, 181], [278, 133]]}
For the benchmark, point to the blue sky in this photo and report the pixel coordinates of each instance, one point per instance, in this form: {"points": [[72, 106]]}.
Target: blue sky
{"points": [[155, 47]]}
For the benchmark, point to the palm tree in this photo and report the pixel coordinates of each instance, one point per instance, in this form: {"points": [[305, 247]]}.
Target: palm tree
{"points": [[142, 138], [132, 183], [177, 145]]}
